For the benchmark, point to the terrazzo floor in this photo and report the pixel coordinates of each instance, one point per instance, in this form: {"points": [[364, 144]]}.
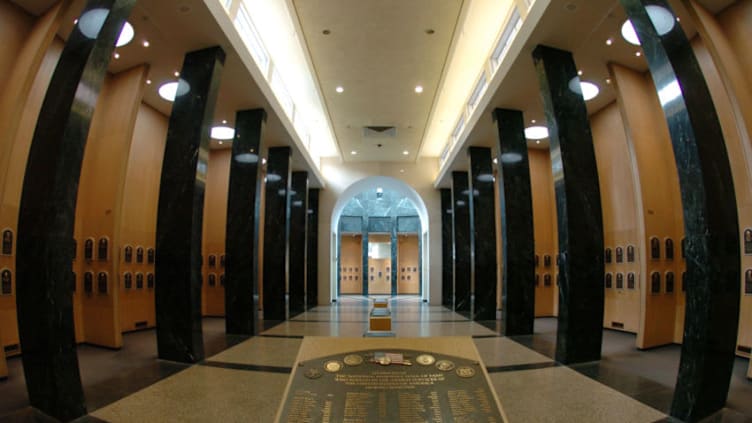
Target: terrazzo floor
{"points": [[243, 379]]}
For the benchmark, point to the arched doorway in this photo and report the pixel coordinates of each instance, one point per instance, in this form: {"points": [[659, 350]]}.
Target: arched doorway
{"points": [[387, 222]]}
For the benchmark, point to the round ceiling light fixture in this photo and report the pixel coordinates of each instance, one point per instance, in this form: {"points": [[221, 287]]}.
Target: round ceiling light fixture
{"points": [[418, 89], [405, 153], [126, 35], [662, 20], [588, 90], [536, 132], [340, 89], [222, 133], [170, 90]]}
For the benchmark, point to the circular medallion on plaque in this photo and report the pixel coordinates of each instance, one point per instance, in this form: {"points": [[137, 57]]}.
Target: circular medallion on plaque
{"points": [[465, 371], [445, 365], [425, 359], [353, 360], [384, 360], [333, 366], [313, 373]]}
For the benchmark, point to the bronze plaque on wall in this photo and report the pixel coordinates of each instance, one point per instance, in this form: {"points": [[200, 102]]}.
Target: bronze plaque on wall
{"points": [[389, 386]]}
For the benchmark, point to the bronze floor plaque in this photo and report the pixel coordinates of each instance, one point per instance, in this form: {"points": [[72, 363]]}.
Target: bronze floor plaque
{"points": [[389, 385]]}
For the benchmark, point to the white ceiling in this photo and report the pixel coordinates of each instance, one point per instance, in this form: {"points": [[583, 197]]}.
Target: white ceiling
{"points": [[378, 51]]}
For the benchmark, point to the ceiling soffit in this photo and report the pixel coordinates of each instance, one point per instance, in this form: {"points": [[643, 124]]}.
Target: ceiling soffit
{"points": [[378, 51]]}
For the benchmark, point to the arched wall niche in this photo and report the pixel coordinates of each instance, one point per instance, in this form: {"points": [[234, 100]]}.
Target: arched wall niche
{"points": [[387, 184]]}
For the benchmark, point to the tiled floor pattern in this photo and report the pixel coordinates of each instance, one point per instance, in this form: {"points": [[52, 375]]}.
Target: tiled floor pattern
{"points": [[245, 383]]}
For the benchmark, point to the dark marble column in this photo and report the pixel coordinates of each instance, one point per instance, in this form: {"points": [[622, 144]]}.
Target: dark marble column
{"points": [[461, 241], [393, 240], [298, 212], [364, 249], [483, 238], [181, 209], [710, 217], [312, 252], [447, 281], [47, 213], [518, 238], [578, 206], [241, 242], [276, 229]]}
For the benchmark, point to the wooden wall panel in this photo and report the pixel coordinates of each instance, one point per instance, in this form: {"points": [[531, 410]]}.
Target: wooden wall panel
{"points": [[3, 362], [546, 235], [100, 195], [653, 161], [621, 229], [139, 216], [351, 261], [408, 254], [26, 78], [721, 52], [379, 282], [215, 224]]}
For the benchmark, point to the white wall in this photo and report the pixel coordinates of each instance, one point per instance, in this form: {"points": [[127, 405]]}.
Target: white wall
{"points": [[419, 175]]}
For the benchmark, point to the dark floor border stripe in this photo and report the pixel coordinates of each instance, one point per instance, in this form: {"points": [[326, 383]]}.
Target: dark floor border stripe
{"points": [[281, 336], [487, 336], [366, 321], [247, 367], [520, 367]]}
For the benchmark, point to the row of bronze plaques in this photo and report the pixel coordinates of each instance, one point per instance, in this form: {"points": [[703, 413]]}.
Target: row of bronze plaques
{"points": [[212, 279], [356, 270], [388, 277], [546, 260], [655, 282], [546, 280], [103, 247]]}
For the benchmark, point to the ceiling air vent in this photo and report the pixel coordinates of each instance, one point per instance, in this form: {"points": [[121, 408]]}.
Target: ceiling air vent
{"points": [[375, 132]]}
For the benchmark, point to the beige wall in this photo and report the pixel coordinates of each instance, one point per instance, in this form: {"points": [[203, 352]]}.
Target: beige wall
{"points": [[620, 225], [215, 225], [544, 226], [139, 215], [34, 56]]}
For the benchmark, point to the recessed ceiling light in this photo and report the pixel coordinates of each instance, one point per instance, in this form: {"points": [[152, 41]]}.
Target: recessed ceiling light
{"points": [[224, 121], [75, 21], [588, 90], [148, 82], [609, 41], [263, 160], [116, 55], [638, 54], [402, 170], [126, 35], [177, 74], [532, 121], [326, 32], [418, 89], [146, 43], [170, 90], [354, 153], [536, 132], [405, 153], [340, 89], [430, 31], [496, 160], [537, 142], [579, 72], [662, 20], [222, 133], [608, 80], [219, 142]]}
